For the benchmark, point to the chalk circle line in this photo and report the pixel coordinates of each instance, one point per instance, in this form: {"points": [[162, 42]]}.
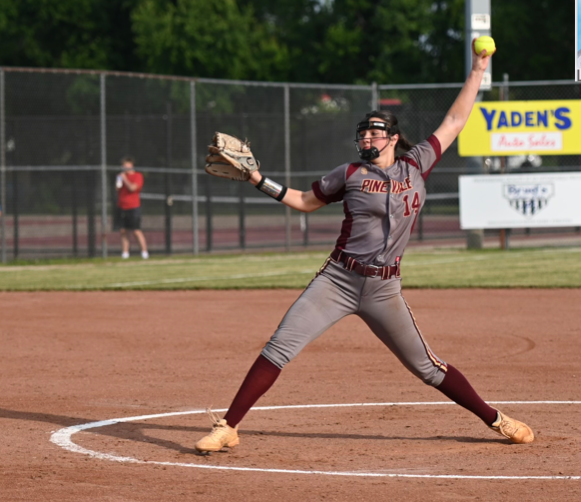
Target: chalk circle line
{"points": [[63, 438]]}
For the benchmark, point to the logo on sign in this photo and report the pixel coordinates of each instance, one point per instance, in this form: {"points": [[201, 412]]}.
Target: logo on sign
{"points": [[530, 142], [499, 120], [528, 199]]}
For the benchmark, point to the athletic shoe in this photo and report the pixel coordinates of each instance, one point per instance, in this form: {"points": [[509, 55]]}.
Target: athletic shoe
{"points": [[512, 429], [222, 435], [124, 256], [144, 255]]}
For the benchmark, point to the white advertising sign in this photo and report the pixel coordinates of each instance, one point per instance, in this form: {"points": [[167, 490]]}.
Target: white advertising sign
{"points": [[520, 201], [481, 21]]}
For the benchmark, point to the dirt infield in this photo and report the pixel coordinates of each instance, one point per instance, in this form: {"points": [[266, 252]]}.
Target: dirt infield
{"points": [[74, 358]]}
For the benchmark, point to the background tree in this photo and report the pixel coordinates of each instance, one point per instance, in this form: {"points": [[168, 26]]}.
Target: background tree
{"points": [[299, 26], [416, 41], [68, 34], [210, 38], [335, 41], [377, 40], [536, 39]]}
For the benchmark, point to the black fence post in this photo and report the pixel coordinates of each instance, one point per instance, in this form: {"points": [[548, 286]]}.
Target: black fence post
{"points": [[114, 210], [74, 213], [208, 214], [90, 188], [15, 213], [167, 182], [304, 152], [168, 223], [242, 209], [167, 203], [242, 217]]}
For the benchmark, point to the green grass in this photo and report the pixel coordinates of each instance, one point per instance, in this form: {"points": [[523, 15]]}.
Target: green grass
{"points": [[528, 268]]}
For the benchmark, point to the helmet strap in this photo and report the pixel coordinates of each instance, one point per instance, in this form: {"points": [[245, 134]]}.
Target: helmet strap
{"points": [[372, 153], [369, 154]]}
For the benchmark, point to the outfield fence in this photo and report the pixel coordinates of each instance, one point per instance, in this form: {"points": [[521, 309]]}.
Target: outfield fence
{"points": [[63, 133]]}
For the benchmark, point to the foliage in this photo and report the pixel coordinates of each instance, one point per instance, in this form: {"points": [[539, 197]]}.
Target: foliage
{"points": [[332, 41], [213, 38], [535, 40], [359, 41], [92, 34]]}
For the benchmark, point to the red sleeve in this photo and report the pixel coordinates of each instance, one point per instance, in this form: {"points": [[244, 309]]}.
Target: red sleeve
{"points": [[327, 199], [410, 161], [318, 193], [435, 144], [331, 188]]}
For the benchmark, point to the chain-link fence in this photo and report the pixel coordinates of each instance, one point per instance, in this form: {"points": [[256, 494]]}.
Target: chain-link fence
{"points": [[63, 133]]}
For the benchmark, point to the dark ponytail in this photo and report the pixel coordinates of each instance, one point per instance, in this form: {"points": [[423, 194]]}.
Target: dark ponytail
{"points": [[391, 120]]}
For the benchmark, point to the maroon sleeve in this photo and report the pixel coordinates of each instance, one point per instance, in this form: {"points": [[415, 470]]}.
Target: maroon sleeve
{"points": [[435, 143], [327, 199], [425, 155], [318, 193], [331, 188]]}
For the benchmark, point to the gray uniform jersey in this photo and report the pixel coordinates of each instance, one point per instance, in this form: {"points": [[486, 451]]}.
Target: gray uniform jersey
{"points": [[381, 205], [380, 210]]}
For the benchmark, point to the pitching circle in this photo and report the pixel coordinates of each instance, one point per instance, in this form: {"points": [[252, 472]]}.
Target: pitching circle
{"points": [[63, 438]]}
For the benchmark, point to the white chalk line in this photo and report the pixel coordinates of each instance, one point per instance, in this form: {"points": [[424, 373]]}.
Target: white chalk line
{"points": [[242, 259], [167, 262], [492, 256], [63, 438], [209, 278], [263, 259], [305, 272]]}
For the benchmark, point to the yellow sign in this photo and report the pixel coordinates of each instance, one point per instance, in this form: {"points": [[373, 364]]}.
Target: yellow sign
{"points": [[499, 128]]}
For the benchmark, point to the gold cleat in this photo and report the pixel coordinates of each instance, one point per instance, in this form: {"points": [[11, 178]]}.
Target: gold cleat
{"points": [[517, 432], [222, 435]]}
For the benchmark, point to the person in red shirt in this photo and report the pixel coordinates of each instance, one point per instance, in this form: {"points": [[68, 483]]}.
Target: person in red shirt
{"points": [[128, 212]]}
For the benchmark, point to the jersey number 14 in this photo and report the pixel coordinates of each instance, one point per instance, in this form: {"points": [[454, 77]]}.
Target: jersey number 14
{"points": [[415, 207]]}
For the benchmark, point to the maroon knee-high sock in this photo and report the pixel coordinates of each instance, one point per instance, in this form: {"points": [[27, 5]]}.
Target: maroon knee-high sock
{"points": [[458, 389], [258, 380]]}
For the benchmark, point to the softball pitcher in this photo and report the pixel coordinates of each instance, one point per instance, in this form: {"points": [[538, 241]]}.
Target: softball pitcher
{"points": [[382, 196]]}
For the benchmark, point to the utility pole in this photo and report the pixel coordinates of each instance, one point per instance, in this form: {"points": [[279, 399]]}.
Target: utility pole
{"points": [[477, 23]]}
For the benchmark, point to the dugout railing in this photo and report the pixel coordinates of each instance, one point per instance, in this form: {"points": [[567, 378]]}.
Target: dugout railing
{"points": [[63, 133]]}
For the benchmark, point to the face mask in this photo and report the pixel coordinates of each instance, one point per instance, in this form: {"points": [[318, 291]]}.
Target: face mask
{"points": [[369, 154]]}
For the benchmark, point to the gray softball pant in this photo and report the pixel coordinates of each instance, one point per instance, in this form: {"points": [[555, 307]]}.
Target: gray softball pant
{"points": [[335, 293]]}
